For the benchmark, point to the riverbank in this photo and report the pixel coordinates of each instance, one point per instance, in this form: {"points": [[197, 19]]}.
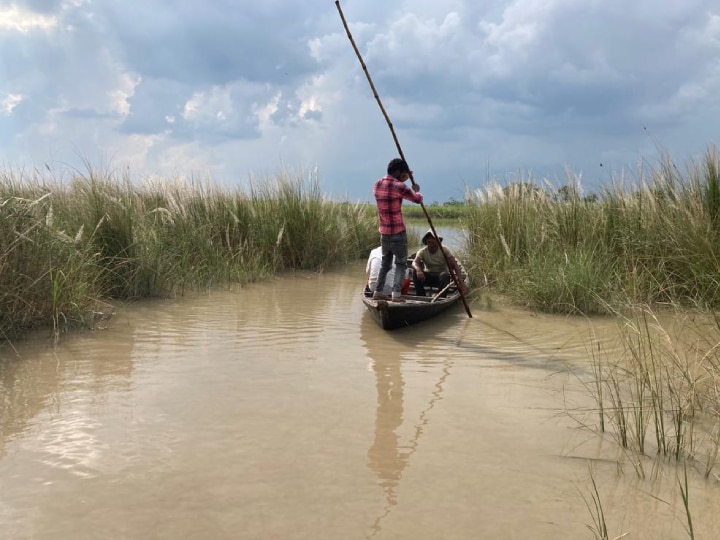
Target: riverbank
{"points": [[68, 248], [655, 241]]}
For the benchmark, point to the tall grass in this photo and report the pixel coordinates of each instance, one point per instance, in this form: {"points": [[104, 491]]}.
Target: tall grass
{"points": [[654, 240], [66, 246], [595, 509], [660, 397]]}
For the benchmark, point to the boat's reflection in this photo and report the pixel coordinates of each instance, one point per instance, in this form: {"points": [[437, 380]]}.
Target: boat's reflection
{"points": [[388, 352]]}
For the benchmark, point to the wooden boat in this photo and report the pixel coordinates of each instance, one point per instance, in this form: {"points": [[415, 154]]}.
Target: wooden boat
{"points": [[393, 315]]}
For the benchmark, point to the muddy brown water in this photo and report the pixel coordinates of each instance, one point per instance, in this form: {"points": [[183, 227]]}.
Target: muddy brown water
{"points": [[281, 411]]}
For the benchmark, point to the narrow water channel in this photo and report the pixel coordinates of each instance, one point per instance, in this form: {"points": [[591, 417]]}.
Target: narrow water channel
{"points": [[281, 411]]}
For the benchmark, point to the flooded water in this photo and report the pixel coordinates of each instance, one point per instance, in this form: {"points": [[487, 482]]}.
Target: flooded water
{"points": [[281, 411]]}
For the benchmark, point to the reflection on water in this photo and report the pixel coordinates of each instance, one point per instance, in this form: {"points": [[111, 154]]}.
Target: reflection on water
{"points": [[281, 410], [385, 457], [388, 456]]}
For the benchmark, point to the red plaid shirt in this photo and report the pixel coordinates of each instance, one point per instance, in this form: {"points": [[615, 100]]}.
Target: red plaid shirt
{"points": [[389, 194]]}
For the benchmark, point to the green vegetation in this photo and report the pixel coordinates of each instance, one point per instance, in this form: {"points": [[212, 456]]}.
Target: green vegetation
{"points": [[659, 394], [66, 249], [656, 242], [449, 212], [657, 397], [596, 511]]}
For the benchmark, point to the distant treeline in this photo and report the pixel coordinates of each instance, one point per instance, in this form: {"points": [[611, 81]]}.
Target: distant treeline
{"points": [[452, 210]]}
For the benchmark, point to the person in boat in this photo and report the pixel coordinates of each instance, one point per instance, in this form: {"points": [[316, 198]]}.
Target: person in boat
{"points": [[390, 191], [372, 270], [430, 267]]}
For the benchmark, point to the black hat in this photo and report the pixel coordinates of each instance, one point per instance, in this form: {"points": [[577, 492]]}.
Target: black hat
{"points": [[397, 165], [430, 234]]}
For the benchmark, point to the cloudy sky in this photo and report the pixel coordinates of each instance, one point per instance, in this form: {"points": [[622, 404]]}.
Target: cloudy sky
{"points": [[476, 89]]}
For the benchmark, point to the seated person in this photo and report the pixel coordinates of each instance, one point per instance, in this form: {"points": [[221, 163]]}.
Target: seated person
{"points": [[430, 267], [372, 270]]}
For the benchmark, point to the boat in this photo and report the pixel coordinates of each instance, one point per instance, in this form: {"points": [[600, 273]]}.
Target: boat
{"points": [[393, 315]]}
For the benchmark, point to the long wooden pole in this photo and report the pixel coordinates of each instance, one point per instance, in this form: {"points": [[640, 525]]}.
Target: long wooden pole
{"points": [[456, 278]]}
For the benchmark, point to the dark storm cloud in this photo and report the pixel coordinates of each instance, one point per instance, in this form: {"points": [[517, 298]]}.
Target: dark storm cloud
{"points": [[209, 116], [153, 102], [212, 42], [578, 66], [313, 115]]}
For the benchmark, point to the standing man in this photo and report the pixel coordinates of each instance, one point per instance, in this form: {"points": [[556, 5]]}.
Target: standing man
{"points": [[389, 193]]}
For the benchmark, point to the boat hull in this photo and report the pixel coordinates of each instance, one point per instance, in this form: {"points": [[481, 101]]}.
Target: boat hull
{"points": [[392, 315]]}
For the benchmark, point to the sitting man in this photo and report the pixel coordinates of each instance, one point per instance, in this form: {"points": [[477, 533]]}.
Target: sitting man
{"points": [[430, 267], [372, 270]]}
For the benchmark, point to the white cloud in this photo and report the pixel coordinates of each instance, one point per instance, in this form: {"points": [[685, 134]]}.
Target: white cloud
{"points": [[119, 96], [24, 21], [212, 106], [9, 102]]}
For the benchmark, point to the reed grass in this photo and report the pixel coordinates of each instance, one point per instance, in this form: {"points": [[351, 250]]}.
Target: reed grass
{"points": [[660, 397], [595, 509], [67, 246], [685, 494], [651, 240]]}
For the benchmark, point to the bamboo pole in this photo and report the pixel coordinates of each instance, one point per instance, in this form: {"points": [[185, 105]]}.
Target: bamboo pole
{"points": [[456, 279]]}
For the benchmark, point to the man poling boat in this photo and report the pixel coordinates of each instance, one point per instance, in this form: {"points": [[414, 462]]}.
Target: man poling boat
{"points": [[457, 280], [415, 307], [390, 191]]}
